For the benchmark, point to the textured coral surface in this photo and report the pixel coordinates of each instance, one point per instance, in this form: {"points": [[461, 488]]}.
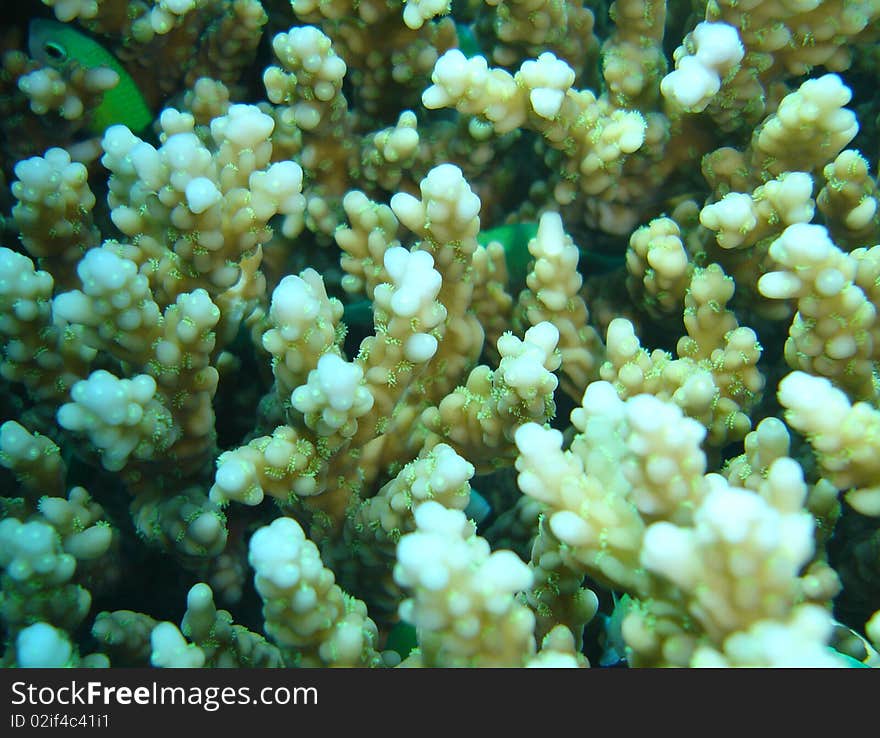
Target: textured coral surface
{"points": [[412, 333]]}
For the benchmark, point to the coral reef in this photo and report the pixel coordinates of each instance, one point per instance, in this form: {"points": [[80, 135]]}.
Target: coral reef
{"points": [[439, 334]]}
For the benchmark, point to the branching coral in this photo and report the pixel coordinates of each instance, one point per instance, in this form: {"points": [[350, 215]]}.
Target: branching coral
{"points": [[534, 328]]}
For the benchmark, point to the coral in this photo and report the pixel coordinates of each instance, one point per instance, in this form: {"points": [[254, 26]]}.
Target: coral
{"points": [[543, 332]]}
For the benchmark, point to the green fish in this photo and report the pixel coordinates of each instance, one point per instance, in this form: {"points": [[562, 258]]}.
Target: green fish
{"points": [[515, 238], [57, 44], [402, 638], [614, 648], [467, 40], [478, 509], [358, 313], [849, 661]]}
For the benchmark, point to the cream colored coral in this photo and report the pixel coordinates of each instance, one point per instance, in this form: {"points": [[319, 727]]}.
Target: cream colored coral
{"points": [[797, 36], [34, 459], [116, 312], [25, 293], [164, 16], [46, 359], [213, 205], [526, 368], [558, 651], [527, 27], [53, 208], [730, 351], [409, 302], [187, 523], [783, 41], [377, 523], [738, 564], [446, 217], [208, 99], [809, 128], [634, 370], [409, 322], [666, 464], [229, 44], [835, 329], [440, 475], [67, 95], [594, 136], [558, 595], [799, 641], [42, 646], [740, 220], [310, 79], [447, 211], [768, 442], [658, 267], [844, 437], [600, 138], [333, 398], [849, 200], [389, 153], [32, 551], [462, 595], [121, 417], [715, 381], [588, 507], [491, 302], [115, 302], [171, 650], [125, 633], [216, 641], [280, 465], [68, 10], [183, 370], [306, 613], [662, 467], [707, 55], [480, 418], [416, 12], [304, 322], [80, 522], [553, 295], [470, 86], [547, 79], [633, 60], [372, 230], [38, 577]]}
